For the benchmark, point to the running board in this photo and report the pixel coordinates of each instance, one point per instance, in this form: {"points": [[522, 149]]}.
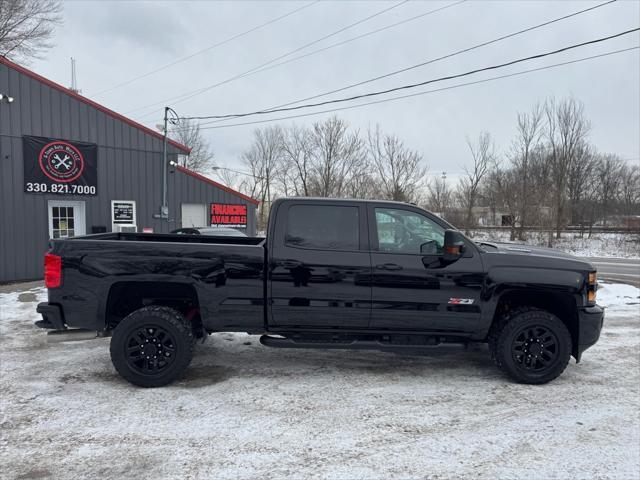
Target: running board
{"points": [[355, 344], [71, 335]]}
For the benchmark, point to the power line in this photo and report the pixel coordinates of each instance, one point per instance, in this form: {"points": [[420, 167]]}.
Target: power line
{"points": [[451, 87], [193, 93], [419, 84], [357, 37], [428, 62], [209, 48]]}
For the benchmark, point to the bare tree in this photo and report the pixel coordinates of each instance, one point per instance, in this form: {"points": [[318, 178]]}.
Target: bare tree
{"points": [[263, 160], [297, 158], [608, 170], [439, 197], [483, 154], [230, 178], [630, 189], [529, 131], [399, 169], [507, 186], [567, 130], [26, 27], [579, 181], [335, 153], [188, 133]]}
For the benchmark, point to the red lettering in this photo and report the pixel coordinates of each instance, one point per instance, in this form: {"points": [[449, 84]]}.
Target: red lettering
{"points": [[225, 209], [224, 214]]}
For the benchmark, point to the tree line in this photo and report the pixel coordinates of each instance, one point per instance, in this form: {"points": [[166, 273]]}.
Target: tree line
{"points": [[549, 176], [328, 159]]}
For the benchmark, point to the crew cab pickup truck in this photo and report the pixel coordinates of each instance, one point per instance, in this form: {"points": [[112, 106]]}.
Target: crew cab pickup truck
{"points": [[349, 274]]}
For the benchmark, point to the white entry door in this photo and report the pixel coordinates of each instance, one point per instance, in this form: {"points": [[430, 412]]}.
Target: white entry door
{"points": [[66, 219], [194, 215]]}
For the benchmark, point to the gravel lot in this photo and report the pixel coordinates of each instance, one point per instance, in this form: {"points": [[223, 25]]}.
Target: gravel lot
{"points": [[246, 411]]}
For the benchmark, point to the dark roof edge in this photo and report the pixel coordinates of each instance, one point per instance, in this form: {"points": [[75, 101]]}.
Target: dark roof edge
{"points": [[202, 178], [91, 103]]}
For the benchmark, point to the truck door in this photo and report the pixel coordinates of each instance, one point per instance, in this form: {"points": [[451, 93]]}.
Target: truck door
{"points": [[320, 265], [411, 288]]}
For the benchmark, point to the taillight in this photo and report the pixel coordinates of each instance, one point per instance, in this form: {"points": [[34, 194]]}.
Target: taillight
{"points": [[592, 287], [52, 270]]}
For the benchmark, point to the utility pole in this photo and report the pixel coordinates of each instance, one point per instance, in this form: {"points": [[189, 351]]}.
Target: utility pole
{"points": [[164, 209]]}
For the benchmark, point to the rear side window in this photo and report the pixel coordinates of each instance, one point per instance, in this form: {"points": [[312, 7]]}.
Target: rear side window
{"points": [[323, 226]]}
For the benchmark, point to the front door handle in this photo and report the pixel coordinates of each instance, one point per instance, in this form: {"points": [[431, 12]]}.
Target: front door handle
{"points": [[389, 266]]}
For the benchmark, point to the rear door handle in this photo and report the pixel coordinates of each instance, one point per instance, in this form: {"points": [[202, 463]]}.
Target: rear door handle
{"points": [[389, 266], [291, 264]]}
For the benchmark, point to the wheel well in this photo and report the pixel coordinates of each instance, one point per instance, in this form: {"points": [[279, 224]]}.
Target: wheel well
{"points": [[562, 305], [127, 297]]}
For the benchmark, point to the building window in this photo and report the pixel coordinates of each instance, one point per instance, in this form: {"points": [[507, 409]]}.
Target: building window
{"points": [[66, 219], [63, 222]]}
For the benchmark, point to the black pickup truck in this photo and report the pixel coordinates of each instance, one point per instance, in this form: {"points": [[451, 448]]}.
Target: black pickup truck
{"points": [[330, 274]]}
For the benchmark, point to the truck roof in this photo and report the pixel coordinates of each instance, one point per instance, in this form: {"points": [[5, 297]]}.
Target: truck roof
{"points": [[345, 200]]}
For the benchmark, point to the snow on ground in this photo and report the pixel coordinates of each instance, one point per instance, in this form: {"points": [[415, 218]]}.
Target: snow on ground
{"points": [[620, 245], [246, 411], [619, 297]]}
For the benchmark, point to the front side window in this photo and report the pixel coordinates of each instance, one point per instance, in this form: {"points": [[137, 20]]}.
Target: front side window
{"points": [[325, 227], [402, 231]]}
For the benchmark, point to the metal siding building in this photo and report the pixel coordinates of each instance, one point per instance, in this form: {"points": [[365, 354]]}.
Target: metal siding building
{"points": [[129, 168]]}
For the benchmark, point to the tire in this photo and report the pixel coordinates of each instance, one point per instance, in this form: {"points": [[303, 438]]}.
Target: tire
{"points": [[532, 346], [167, 338]]}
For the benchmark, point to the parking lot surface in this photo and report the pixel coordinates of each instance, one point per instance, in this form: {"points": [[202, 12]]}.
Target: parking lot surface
{"points": [[246, 411]]}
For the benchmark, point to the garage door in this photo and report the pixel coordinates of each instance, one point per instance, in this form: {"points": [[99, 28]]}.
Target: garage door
{"points": [[194, 215]]}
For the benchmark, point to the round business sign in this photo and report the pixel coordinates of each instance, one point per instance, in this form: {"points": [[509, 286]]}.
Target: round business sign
{"points": [[61, 161]]}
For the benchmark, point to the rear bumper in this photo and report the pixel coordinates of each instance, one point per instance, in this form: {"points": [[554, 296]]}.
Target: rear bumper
{"points": [[591, 320], [51, 316]]}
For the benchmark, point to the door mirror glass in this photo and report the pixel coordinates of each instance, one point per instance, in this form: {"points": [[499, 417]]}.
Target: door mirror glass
{"points": [[453, 245], [429, 248]]}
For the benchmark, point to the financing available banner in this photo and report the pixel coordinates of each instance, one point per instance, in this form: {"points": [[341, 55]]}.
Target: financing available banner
{"points": [[228, 215], [59, 166]]}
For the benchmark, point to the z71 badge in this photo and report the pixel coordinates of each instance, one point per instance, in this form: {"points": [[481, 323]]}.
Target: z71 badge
{"points": [[460, 301]]}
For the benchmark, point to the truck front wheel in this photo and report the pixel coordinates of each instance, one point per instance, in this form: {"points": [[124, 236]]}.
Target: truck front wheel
{"points": [[532, 346], [152, 346]]}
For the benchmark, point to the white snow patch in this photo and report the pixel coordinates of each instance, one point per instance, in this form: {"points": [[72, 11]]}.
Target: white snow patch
{"points": [[619, 297], [610, 245], [246, 411]]}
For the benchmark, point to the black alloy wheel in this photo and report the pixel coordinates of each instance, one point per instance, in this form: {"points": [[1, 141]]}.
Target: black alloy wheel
{"points": [[531, 345], [535, 348], [152, 346], [150, 349]]}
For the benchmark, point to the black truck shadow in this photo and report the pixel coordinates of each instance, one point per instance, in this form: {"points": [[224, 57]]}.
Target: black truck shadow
{"points": [[218, 361]]}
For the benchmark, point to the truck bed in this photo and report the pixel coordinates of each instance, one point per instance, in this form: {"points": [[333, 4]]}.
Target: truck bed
{"points": [[225, 276]]}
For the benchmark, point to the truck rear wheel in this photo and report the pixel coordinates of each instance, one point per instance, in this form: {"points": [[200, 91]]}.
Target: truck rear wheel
{"points": [[532, 346], [152, 346]]}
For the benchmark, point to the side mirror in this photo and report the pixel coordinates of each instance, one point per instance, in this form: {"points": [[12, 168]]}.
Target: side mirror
{"points": [[429, 248], [453, 245]]}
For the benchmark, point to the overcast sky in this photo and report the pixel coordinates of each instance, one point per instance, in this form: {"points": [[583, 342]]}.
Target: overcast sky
{"points": [[114, 42]]}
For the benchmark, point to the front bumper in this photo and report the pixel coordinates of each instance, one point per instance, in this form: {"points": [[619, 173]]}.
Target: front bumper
{"points": [[590, 321], [51, 316]]}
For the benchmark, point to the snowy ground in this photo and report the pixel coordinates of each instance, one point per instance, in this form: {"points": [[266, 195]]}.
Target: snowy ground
{"points": [[620, 245], [245, 411]]}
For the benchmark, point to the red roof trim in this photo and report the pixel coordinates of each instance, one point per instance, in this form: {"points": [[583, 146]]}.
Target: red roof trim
{"points": [[91, 103], [216, 184]]}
